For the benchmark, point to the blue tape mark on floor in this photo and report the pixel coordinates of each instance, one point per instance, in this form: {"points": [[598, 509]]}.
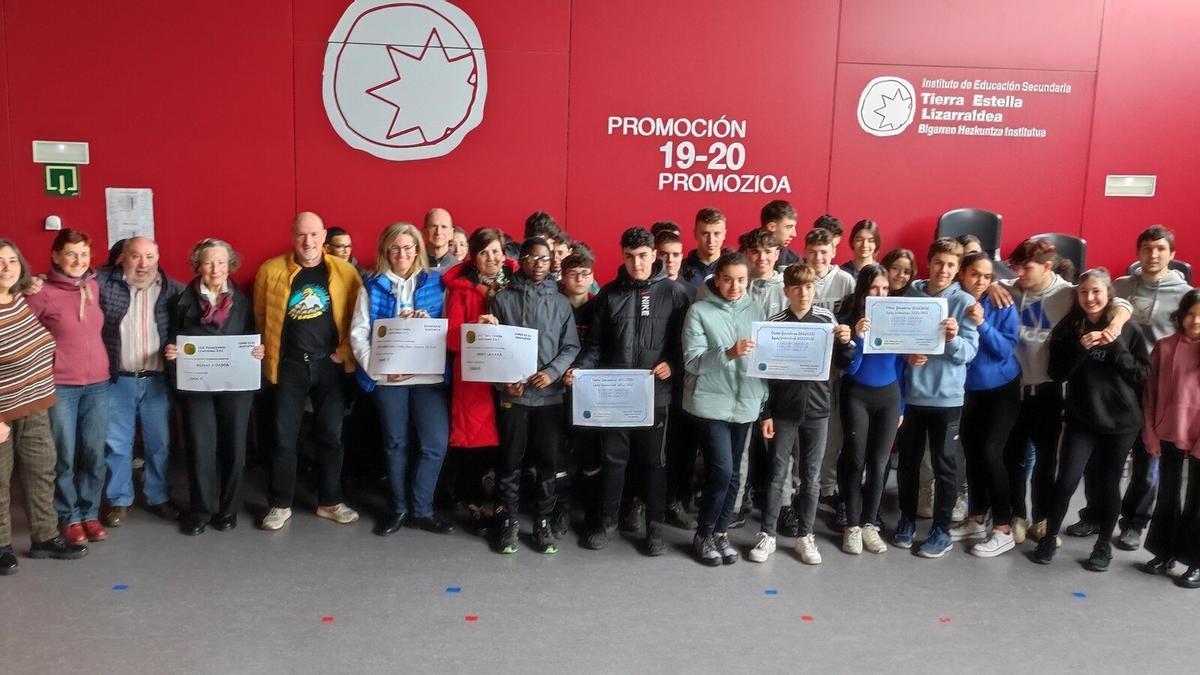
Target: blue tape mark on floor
{"points": [[454, 589], [1079, 594], [120, 587], [771, 591]]}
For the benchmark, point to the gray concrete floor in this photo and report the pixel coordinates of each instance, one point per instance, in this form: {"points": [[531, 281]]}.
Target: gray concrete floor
{"points": [[249, 601]]}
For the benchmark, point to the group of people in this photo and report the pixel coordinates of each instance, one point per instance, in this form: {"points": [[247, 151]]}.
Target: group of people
{"points": [[1043, 382]]}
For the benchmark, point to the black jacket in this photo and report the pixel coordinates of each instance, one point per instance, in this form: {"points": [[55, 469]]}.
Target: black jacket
{"points": [[637, 324], [806, 399], [185, 315], [694, 272], [1104, 384]]}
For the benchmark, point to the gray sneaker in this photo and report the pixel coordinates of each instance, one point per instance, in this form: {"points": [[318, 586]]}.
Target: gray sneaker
{"points": [[1129, 539], [706, 551], [729, 554]]}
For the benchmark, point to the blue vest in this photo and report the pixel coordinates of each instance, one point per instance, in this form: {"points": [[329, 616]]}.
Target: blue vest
{"points": [[428, 296]]}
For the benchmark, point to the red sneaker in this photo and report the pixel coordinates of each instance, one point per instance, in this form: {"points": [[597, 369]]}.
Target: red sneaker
{"points": [[74, 534], [94, 530]]}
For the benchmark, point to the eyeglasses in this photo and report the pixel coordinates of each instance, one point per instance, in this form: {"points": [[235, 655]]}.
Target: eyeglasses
{"points": [[407, 249], [537, 258]]}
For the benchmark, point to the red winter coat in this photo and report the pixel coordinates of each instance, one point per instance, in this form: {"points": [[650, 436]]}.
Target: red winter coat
{"points": [[472, 407]]}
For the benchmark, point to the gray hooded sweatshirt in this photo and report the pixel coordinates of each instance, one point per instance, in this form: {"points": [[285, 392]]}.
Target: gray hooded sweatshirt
{"points": [[1153, 303]]}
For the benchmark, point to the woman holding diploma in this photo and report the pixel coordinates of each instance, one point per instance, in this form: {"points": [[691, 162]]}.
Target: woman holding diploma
{"points": [[402, 285], [990, 408], [530, 415], [215, 422], [1103, 409], [724, 401], [469, 287], [871, 412]]}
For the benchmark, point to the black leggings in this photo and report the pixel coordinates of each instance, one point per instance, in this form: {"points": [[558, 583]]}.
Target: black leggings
{"points": [[1108, 452], [1175, 528], [937, 429], [870, 416], [1040, 423], [987, 419]]}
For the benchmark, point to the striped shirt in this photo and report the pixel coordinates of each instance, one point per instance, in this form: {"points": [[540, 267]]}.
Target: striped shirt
{"points": [[26, 362], [141, 346]]}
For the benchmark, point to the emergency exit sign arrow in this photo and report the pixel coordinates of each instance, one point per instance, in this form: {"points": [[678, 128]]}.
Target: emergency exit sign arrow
{"points": [[62, 180]]}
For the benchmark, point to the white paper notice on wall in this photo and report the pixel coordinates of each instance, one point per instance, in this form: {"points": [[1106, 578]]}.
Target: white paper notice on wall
{"points": [[130, 213]]}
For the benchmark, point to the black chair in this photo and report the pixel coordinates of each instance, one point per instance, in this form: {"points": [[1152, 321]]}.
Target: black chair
{"points": [[1178, 265], [982, 224], [1071, 248]]}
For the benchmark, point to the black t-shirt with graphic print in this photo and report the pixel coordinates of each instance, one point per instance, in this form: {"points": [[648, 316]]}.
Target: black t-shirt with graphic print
{"points": [[308, 322]]}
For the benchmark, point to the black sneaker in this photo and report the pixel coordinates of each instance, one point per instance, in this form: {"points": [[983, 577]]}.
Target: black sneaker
{"points": [[829, 503], [58, 549], [1158, 566], [598, 537], [1130, 539], [8, 561], [1100, 559], [838, 523], [706, 551], [789, 524], [1044, 553], [677, 516], [543, 538], [1082, 529], [560, 522], [729, 554], [739, 518], [631, 519], [478, 523], [508, 535], [654, 539]]}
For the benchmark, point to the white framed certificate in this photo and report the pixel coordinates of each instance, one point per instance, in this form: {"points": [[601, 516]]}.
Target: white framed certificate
{"points": [[408, 347], [498, 354], [790, 350], [217, 363], [613, 398], [905, 325]]}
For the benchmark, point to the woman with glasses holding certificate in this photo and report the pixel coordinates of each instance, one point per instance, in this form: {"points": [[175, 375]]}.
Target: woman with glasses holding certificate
{"points": [[403, 286]]}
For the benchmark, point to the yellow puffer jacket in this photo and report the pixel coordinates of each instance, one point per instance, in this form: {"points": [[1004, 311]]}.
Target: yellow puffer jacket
{"points": [[272, 285]]}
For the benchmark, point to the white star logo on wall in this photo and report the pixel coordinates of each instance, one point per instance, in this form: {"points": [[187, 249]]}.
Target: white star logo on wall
{"points": [[886, 106], [404, 80]]}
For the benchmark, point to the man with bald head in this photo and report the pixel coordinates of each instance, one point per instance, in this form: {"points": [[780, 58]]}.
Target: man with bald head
{"points": [[137, 299], [303, 301], [439, 230]]}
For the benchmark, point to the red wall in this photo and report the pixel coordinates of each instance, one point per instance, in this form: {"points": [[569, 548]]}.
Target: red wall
{"points": [[217, 107]]}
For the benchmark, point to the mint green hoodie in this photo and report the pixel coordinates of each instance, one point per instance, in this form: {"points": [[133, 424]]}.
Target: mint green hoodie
{"points": [[716, 387]]}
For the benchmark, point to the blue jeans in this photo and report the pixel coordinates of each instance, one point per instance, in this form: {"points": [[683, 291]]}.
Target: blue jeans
{"points": [[132, 399], [78, 422], [426, 407], [723, 444]]}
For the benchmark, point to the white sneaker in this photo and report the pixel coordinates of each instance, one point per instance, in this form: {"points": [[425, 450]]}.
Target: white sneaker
{"points": [[1019, 526], [968, 529], [959, 513], [763, 548], [852, 542], [338, 513], [872, 541], [806, 546], [997, 542], [275, 518], [925, 501]]}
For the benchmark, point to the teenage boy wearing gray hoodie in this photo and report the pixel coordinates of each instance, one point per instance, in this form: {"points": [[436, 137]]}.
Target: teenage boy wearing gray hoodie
{"points": [[1042, 299], [935, 386], [1154, 290], [530, 412]]}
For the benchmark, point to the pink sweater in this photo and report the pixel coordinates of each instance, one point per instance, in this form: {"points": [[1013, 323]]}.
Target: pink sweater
{"points": [[1172, 398], [70, 310]]}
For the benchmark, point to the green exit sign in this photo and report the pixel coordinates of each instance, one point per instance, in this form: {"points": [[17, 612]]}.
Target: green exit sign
{"points": [[62, 180]]}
